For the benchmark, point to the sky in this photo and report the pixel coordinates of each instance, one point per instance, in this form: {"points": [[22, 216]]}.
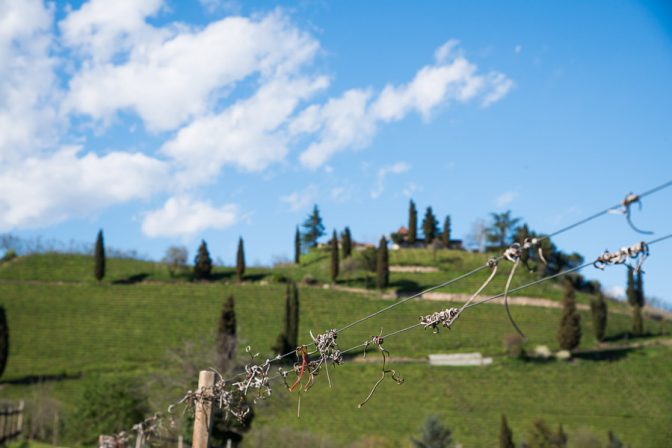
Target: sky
{"points": [[167, 122]]}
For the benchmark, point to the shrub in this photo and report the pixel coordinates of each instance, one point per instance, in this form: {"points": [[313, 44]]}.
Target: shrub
{"points": [[10, 254], [513, 345], [108, 404], [434, 435], [309, 280]]}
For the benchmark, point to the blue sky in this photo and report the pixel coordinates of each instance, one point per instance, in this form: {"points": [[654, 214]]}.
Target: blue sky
{"points": [[165, 122]]}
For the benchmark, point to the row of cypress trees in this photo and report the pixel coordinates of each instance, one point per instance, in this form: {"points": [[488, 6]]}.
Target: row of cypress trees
{"points": [[430, 226], [202, 262]]}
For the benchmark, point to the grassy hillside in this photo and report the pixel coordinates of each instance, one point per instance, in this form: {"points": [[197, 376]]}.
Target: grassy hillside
{"points": [[69, 327]]}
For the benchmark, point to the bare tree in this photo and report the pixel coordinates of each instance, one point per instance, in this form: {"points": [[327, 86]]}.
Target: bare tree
{"points": [[477, 235], [176, 259]]}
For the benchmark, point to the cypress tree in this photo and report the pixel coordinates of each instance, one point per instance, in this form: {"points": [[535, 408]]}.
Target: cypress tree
{"points": [[4, 341], [630, 291], [288, 338], [99, 256], [297, 246], [346, 241], [505, 435], [639, 289], [429, 226], [382, 265], [412, 223], [293, 328], [569, 331], [334, 257], [240, 260], [598, 309], [635, 294], [637, 320], [202, 262], [314, 229], [445, 234], [226, 336]]}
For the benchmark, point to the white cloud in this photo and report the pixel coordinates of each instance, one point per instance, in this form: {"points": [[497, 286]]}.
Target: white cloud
{"points": [[500, 86], [341, 122], [299, 200], [184, 216], [615, 292], [411, 189], [397, 168], [506, 198], [105, 61], [28, 118], [100, 29], [443, 52], [518, 48], [177, 74], [341, 193], [351, 120], [248, 134], [41, 191]]}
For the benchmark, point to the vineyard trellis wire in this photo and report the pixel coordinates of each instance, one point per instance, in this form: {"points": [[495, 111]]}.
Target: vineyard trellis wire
{"points": [[257, 375]]}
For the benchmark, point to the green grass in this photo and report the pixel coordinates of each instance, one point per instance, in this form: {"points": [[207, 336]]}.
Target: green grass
{"points": [[69, 324], [621, 396]]}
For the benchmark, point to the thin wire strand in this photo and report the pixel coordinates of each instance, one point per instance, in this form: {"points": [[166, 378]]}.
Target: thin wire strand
{"points": [[472, 272], [433, 288], [605, 211]]}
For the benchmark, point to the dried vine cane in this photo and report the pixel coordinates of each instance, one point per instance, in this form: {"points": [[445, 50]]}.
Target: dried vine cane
{"points": [[328, 350], [492, 263], [529, 243], [301, 351], [378, 341], [630, 199], [513, 255]]}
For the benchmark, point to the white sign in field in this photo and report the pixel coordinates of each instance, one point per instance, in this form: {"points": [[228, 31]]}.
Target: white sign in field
{"points": [[459, 359]]}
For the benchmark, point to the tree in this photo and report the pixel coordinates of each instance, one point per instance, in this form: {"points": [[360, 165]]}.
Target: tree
{"points": [[630, 290], [434, 435], [226, 336], [223, 428], [346, 242], [569, 331], [240, 260], [412, 223], [543, 437], [297, 246], [477, 235], [176, 259], [288, 339], [429, 226], [505, 435], [107, 404], [334, 257], [614, 442], [313, 228], [637, 320], [635, 295], [202, 262], [99, 256], [382, 265], [501, 228], [445, 234], [4, 341], [598, 309]]}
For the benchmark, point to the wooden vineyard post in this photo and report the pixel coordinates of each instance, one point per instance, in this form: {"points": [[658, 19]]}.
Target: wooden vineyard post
{"points": [[203, 411]]}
